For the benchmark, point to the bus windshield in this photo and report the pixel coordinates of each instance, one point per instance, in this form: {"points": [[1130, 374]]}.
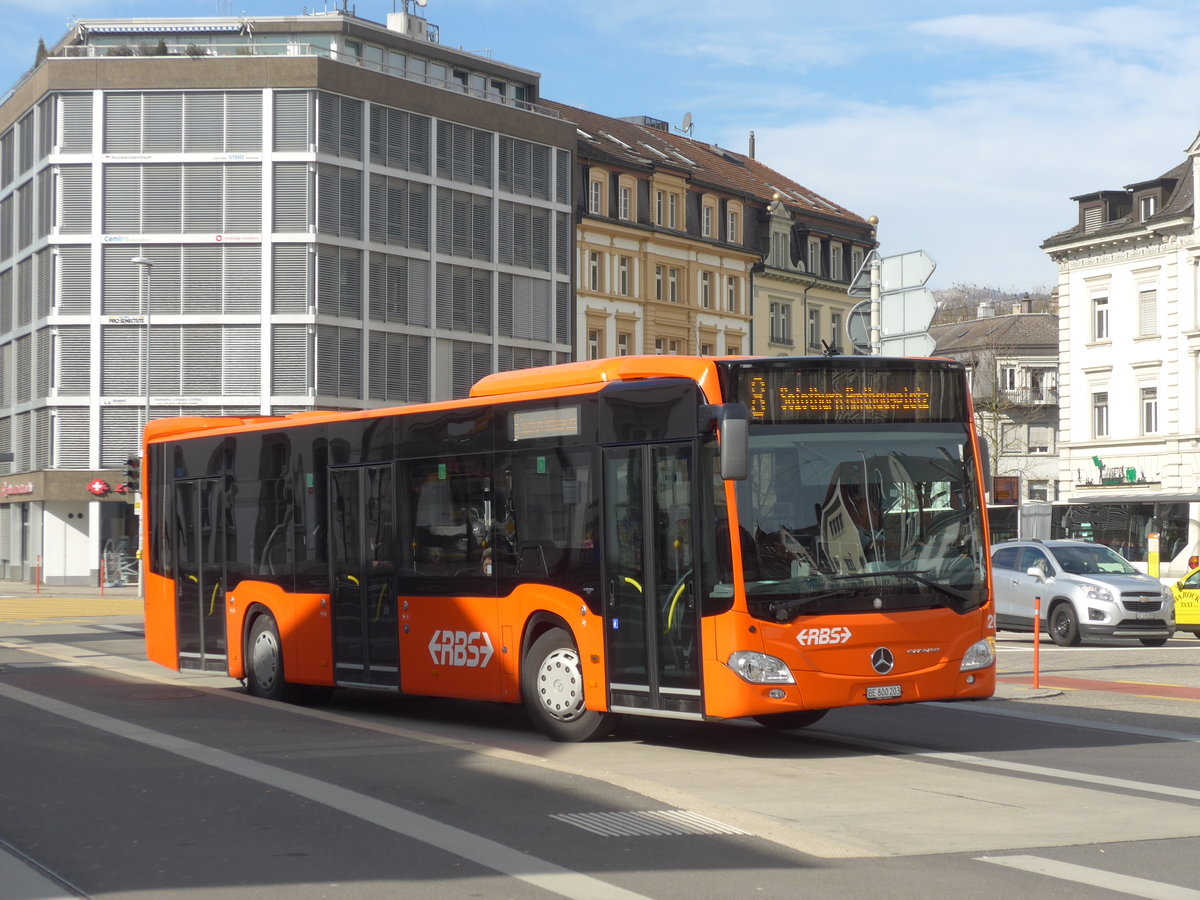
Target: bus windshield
{"points": [[853, 518]]}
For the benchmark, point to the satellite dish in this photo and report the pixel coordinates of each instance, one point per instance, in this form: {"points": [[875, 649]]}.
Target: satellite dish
{"points": [[687, 124]]}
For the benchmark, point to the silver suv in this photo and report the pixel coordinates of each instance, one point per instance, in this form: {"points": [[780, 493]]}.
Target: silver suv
{"points": [[1087, 591]]}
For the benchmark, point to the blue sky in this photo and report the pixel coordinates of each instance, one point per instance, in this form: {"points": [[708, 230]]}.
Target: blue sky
{"points": [[964, 126]]}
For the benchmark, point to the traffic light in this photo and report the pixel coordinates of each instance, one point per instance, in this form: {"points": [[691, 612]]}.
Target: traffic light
{"points": [[133, 474]]}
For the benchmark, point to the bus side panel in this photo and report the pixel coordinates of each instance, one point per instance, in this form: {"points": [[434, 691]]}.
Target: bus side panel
{"points": [[162, 635], [303, 621], [451, 647]]}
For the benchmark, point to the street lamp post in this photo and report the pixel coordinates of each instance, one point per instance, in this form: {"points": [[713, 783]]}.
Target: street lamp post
{"points": [[144, 266]]}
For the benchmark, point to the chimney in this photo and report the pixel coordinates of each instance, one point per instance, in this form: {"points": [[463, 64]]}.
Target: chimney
{"points": [[984, 311], [1026, 305], [751, 153]]}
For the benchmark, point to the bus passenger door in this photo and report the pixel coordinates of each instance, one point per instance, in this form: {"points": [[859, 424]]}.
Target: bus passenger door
{"points": [[366, 640], [200, 582], [651, 614]]}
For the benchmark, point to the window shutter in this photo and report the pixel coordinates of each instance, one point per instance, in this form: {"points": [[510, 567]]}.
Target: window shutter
{"points": [[243, 125], [293, 198], [74, 361], [122, 199], [162, 123], [74, 279], [71, 437], [74, 208], [204, 122], [291, 279], [289, 359], [293, 130], [122, 123], [243, 199], [1148, 312], [75, 136], [163, 197]]}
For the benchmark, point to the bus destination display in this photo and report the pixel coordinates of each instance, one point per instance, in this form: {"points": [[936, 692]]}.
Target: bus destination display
{"points": [[780, 395]]}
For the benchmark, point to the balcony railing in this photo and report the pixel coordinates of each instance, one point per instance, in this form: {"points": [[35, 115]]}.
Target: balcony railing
{"points": [[147, 46], [1032, 396]]}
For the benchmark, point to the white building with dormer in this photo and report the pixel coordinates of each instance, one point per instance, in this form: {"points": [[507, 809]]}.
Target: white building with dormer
{"points": [[1129, 365]]}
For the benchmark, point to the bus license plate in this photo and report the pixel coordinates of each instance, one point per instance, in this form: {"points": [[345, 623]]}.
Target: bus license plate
{"points": [[883, 692]]}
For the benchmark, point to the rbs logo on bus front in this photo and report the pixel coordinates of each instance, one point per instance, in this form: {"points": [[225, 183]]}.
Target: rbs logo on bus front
{"points": [[468, 649]]}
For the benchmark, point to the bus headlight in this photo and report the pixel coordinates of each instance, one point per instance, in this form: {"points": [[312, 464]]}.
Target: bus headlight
{"points": [[758, 668], [979, 655]]}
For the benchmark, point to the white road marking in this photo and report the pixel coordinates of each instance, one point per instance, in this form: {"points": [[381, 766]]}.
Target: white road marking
{"points": [[456, 841], [1098, 878]]}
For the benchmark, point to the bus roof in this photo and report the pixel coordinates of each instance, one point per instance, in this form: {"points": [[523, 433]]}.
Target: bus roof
{"points": [[598, 371]]}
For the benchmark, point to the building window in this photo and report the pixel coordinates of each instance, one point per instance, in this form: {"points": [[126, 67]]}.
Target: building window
{"points": [[658, 282], [856, 260], [593, 344], [659, 346], [814, 328], [835, 263], [781, 323], [1100, 414], [623, 276], [595, 195], [1041, 439], [1149, 410], [673, 284], [706, 349], [659, 202], [626, 202], [1148, 312], [1100, 319], [733, 235], [814, 256], [623, 344], [706, 290], [593, 270], [706, 221], [734, 349], [731, 292], [1039, 490], [673, 348], [1008, 378], [1093, 218], [1147, 206], [835, 330], [672, 210]]}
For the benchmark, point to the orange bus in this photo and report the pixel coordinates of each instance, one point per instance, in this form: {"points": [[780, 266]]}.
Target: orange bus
{"points": [[693, 538]]}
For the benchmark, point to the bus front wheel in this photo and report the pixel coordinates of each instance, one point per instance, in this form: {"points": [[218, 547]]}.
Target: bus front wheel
{"points": [[264, 660], [552, 689]]}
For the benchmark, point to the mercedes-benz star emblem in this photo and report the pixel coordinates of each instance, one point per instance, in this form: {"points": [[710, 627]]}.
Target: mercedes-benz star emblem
{"points": [[882, 660]]}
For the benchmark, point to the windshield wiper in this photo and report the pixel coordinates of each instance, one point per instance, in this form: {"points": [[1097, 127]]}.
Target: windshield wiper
{"points": [[920, 577], [783, 610]]}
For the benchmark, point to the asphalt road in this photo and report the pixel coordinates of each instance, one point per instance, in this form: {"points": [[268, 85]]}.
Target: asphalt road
{"points": [[122, 779]]}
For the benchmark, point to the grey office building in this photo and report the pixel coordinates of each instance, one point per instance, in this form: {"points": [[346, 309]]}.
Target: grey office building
{"points": [[329, 213]]}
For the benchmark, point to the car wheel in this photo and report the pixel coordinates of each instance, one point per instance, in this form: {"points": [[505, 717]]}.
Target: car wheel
{"points": [[1064, 627], [1153, 642]]}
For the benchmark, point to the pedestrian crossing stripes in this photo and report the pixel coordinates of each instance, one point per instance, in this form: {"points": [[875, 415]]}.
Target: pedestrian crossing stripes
{"points": [[646, 824]]}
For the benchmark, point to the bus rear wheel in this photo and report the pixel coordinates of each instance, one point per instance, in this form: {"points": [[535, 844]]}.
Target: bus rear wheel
{"points": [[791, 720], [264, 661], [552, 689]]}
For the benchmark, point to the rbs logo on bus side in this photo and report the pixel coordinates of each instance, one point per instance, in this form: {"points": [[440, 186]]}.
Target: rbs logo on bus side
{"points": [[468, 649]]}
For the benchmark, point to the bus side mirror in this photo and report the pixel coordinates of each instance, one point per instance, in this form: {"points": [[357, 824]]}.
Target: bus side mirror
{"points": [[733, 430], [985, 463]]}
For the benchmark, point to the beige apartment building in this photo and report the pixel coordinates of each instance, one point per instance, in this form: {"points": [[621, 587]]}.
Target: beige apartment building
{"points": [[686, 247]]}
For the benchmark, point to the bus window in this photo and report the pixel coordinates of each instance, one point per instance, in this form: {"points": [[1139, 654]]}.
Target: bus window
{"points": [[547, 519], [445, 516]]}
